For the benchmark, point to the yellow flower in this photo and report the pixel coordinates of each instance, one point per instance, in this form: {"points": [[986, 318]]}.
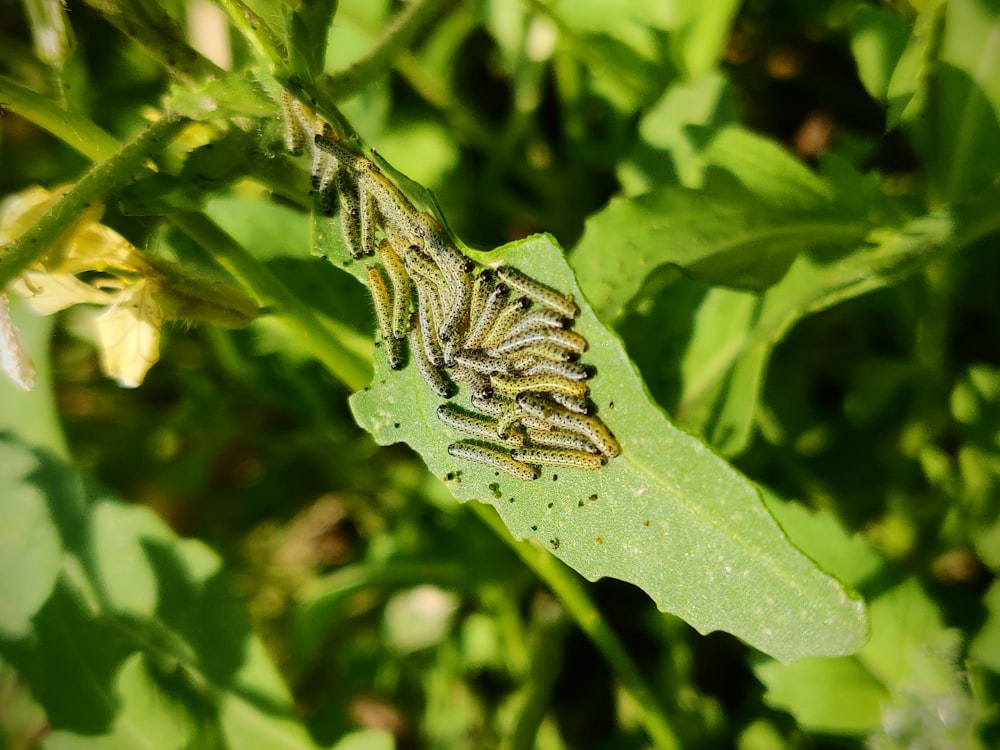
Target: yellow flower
{"points": [[117, 277]]}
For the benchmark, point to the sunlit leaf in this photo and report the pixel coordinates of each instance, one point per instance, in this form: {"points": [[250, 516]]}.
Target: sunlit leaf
{"points": [[878, 38], [835, 696], [667, 515], [728, 236]]}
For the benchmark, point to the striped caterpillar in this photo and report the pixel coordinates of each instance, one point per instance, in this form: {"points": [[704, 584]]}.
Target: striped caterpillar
{"points": [[499, 332]]}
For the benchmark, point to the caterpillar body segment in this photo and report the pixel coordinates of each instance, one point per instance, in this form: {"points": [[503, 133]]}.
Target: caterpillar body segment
{"points": [[538, 292], [498, 459]]}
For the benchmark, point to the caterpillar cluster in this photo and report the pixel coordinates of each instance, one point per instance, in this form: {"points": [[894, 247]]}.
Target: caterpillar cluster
{"points": [[497, 331]]}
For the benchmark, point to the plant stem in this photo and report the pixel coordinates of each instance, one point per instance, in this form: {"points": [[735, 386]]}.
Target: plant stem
{"points": [[308, 331], [578, 604], [74, 129], [550, 629], [382, 57], [145, 22], [255, 30], [91, 141], [93, 188]]}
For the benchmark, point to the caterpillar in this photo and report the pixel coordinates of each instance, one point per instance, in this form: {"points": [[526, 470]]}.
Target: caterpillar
{"points": [[499, 333]]}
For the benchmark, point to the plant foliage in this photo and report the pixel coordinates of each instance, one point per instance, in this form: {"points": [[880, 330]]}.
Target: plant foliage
{"points": [[778, 221]]}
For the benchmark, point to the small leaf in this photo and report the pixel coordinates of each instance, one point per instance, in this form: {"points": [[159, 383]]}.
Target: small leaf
{"points": [[878, 38], [667, 515], [219, 98], [722, 399], [307, 28]]}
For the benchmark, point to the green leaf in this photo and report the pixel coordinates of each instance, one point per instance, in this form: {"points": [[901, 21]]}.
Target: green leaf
{"points": [[278, 236], [667, 515], [722, 400], [30, 549], [848, 556], [907, 670], [152, 715], [677, 124], [140, 644], [207, 169], [907, 89], [878, 38], [690, 344], [965, 146], [703, 37], [837, 696], [621, 51], [307, 28], [220, 98], [985, 647], [728, 236], [366, 739]]}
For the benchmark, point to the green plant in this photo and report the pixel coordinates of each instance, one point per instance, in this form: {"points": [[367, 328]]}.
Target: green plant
{"points": [[802, 319]]}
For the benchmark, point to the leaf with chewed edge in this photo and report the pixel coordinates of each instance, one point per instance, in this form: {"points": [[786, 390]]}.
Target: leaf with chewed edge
{"points": [[667, 515]]}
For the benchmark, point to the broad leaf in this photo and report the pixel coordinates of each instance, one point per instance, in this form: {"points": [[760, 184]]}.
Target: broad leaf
{"points": [[728, 236], [30, 548], [907, 671], [723, 374], [139, 643], [834, 696], [667, 515], [964, 145]]}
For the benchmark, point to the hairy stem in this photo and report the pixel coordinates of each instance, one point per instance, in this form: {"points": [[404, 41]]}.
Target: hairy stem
{"points": [[307, 330], [93, 188], [383, 56]]}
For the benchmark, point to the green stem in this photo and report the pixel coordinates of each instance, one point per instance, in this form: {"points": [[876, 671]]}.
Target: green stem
{"points": [[255, 30], [72, 128], [93, 188], [91, 141], [550, 629], [574, 598], [145, 22], [383, 56], [310, 333]]}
